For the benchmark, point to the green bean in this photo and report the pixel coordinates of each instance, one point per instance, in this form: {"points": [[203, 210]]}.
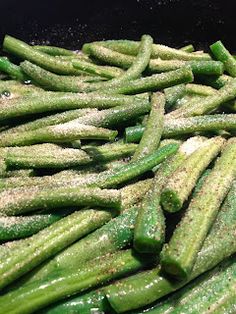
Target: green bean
{"points": [[83, 304], [91, 68], [54, 51], [52, 119], [48, 242], [208, 104], [15, 89], [63, 101], [64, 132], [179, 255], [34, 157], [200, 182], [21, 200], [156, 82], [175, 127], [12, 228], [117, 116], [136, 168], [52, 81], [198, 67], [150, 143], [222, 54], [188, 48], [27, 52], [149, 286], [14, 71], [150, 224], [181, 183], [158, 51], [117, 234], [22, 173], [204, 295], [216, 81], [174, 93], [197, 89], [40, 294]]}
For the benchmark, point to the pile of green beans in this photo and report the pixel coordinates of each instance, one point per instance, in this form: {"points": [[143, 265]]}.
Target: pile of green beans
{"points": [[117, 178]]}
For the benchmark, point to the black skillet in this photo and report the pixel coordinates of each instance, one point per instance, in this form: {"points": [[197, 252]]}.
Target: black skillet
{"points": [[70, 23]]}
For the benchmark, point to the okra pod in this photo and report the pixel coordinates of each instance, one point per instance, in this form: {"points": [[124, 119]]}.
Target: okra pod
{"points": [[27, 52], [40, 294], [149, 286], [158, 51], [59, 133], [176, 127], [222, 54], [48, 242], [21, 200], [63, 101], [150, 142], [179, 255], [183, 180]]}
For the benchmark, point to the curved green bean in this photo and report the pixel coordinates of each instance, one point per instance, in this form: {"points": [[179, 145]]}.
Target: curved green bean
{"points": [[14, 71]]}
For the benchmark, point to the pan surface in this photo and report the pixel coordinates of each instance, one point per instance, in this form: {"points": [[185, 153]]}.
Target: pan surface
{"points": [[71, 23]]}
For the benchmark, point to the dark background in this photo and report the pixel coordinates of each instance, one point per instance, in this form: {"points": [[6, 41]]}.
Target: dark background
{"points": [[70, 23]]}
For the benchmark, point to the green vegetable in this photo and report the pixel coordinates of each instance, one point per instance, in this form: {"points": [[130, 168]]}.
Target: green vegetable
{"points": [[188, 48], [12, 70], [24, 226], [26, 199], [33, 251], [150, 142], [222, 54], [27, 52], [179, 186], [149, 286], [40, 294], [198, 89], [176, 127], [158, 51], [54, 51], [173, 94], [179, 255], [62, 101], [208, 104]]}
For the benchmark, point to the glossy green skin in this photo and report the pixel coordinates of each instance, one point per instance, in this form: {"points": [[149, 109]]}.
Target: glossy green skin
{"points": [[117, 116], [222, 54], [27, 52], [52, 101], [48, 242], [117, 234], [150, 143], [37, 295], [158, 51], [206, 294], [52, 81], [82, 304], [136, 168], [188, 48], [147, 287], [208, 104], [65, 132], [179, 255], [28, 199], [25, 226], [179, 187], [175, 127], [12, 70], [174, 93], [155, 82], [91, 68], [54, 51]]}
